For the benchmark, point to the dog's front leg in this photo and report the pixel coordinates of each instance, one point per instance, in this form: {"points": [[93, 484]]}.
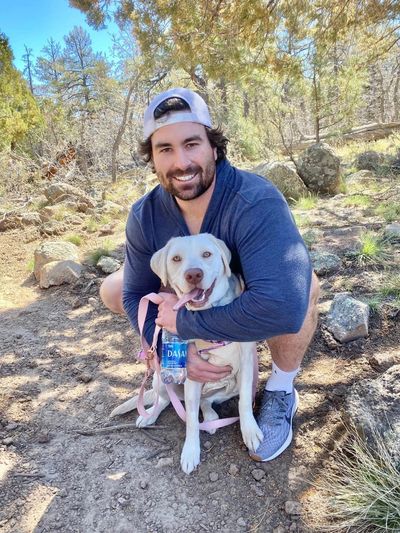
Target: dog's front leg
{"points": [[251, 433], [190, 456]]}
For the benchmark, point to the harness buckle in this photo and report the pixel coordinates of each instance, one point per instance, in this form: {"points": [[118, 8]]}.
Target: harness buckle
{"points": [[150, 353]]}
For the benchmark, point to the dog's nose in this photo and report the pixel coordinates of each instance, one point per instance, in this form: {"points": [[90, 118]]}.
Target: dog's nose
{"points": [[194, 275]]}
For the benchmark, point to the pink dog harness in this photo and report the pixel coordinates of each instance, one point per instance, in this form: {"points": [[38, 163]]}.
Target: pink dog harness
{"points": [[150, 356]]}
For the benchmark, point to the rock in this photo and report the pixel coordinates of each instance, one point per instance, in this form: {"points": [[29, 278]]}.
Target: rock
{"points": [[279, 529], [107, 229], [143, 485], [342, 240], [59, 192], [108, 265], [292, 507], [213, 476], [241, 522], [362, 176], [233, 470], [48, 212], [258, 474], [19, 220], [369, 160], [53, 251], [53, 227], [165, 461], [383, 361], [347, 319], [111, 208], [325, 262], [373, 407], [85, 377], [43, 438], [393, 230], [285, 177], [319, 168], [59, 272]]}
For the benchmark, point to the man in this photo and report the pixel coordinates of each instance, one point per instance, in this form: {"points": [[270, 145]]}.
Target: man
{"points": [[200, 192]]}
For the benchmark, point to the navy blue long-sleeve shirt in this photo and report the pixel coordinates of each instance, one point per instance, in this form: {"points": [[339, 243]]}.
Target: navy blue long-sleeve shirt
{"points": [[252, 217]]}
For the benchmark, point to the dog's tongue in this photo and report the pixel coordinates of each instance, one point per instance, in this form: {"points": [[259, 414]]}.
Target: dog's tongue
{"points": [[192, 295]]}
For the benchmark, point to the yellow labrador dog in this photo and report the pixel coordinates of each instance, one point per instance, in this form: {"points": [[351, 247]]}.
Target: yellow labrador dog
{"points": [[197, 269]]}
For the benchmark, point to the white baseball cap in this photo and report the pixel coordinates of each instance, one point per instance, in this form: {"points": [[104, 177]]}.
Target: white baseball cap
{"points": [[198, 111]]}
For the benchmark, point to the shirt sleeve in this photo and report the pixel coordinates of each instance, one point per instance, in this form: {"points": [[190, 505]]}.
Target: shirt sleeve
{"points": [[277, 275], [139, 279]]}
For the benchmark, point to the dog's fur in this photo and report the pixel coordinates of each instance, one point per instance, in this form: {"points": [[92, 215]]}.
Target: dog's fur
{"points": [[173, 264]]}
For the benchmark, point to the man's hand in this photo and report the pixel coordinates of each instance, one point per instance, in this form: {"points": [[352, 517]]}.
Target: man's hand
{"points": [[203, 371], [166, 317]]}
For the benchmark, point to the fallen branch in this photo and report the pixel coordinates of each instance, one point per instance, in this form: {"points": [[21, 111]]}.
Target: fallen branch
{"points": [[110, 429]]}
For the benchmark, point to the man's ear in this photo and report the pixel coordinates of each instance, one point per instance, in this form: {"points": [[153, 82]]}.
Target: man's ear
{"points": [[158, 264], [225, 254]]}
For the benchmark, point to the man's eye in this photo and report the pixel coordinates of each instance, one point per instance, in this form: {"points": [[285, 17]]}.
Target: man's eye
{"points": [[177, 258], [207, 254], [191, 145]]}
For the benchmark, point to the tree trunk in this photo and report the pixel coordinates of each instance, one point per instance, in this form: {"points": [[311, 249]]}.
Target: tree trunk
{"points": [[120, 132]]}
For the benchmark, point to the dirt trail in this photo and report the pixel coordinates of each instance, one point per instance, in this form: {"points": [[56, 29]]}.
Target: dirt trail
{"points": [[66, 362]]}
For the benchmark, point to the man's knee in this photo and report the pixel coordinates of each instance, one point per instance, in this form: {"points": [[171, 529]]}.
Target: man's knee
{"points": [[111, 292]]}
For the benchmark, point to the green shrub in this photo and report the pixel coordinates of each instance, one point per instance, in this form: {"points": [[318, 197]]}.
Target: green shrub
{"points": [[389, 211], [357, 200], [363, 491], [306, 202], [75, 239], [374, 250], [106, 249]]}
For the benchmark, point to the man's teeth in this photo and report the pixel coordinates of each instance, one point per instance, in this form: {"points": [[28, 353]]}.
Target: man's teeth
{"points": [[187, 177]]}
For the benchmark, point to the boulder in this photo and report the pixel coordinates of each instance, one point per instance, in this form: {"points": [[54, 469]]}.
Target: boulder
{"points": [[325, 262], [59, 272], [61, 192], [319, 168], [108, 265], [369, 160], [52, 227], [347, 318], [373, 407], [112, 208], [53, 251], [393, 230], [285, 177], [19, 220], [362, 176]]}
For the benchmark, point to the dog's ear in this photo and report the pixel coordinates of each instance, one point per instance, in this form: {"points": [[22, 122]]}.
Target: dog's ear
{"points": [[225, 254], [158, 264]]}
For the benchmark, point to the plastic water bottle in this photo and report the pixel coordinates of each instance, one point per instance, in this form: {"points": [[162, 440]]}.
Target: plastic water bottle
{"points": [[173, 358]]}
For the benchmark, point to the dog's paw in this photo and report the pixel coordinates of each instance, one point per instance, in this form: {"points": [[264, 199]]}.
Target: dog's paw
{"points": [[142, 422], [252, 434], [190, 457]]}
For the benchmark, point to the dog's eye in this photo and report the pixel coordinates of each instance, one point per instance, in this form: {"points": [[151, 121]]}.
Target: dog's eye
{"points": [[176, 258], [207, 254]]}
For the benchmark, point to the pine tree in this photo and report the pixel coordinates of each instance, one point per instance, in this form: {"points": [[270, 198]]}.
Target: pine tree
{"points": [[19, 112]]}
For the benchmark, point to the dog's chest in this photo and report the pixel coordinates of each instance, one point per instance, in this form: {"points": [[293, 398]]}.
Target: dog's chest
{"points": [[229, 354]]}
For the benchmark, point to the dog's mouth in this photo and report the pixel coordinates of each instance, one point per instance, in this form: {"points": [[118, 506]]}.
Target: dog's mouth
{"points": [[196, 298]]}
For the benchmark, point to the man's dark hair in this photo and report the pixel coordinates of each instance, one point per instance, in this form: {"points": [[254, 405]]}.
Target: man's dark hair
{"points": [[215, 135]]}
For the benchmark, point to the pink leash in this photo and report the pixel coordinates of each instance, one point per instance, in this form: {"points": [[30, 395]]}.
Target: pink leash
{"points": [[149, 354]]}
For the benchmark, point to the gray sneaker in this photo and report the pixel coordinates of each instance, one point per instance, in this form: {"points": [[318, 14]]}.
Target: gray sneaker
{"points": [[275, 421]]}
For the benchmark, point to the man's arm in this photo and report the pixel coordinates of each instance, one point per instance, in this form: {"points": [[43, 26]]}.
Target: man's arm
{"points": [[139, 279], [277, 274]]}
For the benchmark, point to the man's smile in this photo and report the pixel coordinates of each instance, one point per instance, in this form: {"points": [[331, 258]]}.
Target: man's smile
{"points": [[186, 177]]}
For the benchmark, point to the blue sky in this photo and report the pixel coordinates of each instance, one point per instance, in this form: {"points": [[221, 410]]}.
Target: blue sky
{"points": [[33, 22]]}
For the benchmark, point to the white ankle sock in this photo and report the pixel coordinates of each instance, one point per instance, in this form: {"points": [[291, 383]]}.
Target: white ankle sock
{"points": [[280, 380]]}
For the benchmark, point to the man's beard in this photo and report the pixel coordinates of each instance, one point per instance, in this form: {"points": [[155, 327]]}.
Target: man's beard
{"points": [[204, 179]]}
